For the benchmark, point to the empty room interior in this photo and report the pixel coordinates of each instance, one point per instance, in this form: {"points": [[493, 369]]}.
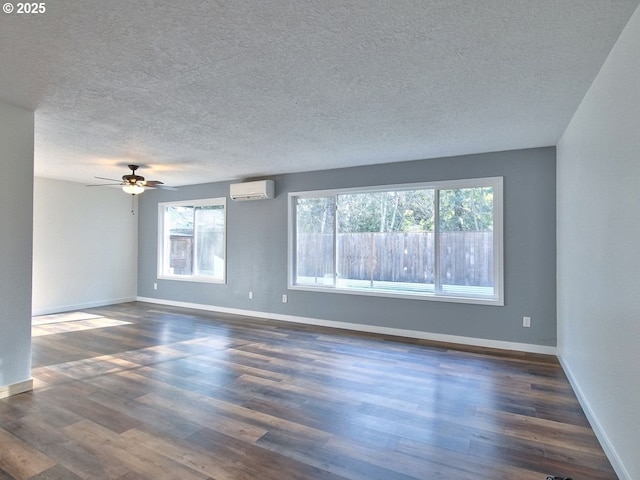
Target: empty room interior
{"points": [[320, 240]]}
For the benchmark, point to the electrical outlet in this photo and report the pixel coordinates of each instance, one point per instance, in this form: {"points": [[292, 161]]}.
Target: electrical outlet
{"points": [[526, 322], [155, 286], [284, 299], [250, 295]]}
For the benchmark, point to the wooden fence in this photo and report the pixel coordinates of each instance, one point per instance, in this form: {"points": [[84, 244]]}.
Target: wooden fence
{"points": [[466, 258]]}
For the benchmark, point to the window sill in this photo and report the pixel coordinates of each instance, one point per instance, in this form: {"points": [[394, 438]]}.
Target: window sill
{"points": [[192, 278], [492, 301]]}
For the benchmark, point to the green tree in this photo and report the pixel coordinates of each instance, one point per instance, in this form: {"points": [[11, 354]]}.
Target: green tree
{"points": [[391, 211], [315, 215], [466, 209]]}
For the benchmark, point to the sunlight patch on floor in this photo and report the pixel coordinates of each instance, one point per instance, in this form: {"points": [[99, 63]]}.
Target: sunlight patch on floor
{"points": [[70, 322], [63, 317]]}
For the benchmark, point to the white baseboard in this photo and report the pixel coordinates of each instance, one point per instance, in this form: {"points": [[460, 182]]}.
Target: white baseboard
{"points": [[81, 306], [16, 388], [438, 337], [611, 453]]}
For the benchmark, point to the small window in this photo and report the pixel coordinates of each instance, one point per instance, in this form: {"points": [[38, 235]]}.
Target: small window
{"points": [[438, 240], [192, 240]]}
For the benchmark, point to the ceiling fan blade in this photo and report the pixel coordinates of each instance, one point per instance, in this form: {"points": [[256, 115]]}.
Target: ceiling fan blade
{"points": [[104, 184], [159, 187], [157, 184], [110, 179]]}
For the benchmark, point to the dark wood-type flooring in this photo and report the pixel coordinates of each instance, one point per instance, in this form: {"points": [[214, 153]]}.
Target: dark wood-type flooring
{"points": [[139, 391]]}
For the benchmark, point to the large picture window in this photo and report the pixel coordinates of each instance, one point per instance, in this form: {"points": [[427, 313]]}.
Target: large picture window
{"points": [[192, 240], [435, 240]]}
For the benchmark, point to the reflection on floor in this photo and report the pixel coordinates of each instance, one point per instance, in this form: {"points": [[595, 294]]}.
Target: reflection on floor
{"points": [[70, 322]]}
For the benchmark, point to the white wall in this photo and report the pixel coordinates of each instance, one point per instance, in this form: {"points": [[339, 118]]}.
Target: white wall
{"points": [[85, 246], [598, 231], [16, 187]]}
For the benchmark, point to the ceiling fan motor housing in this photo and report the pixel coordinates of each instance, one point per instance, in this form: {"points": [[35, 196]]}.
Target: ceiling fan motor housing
{"points": [[132, 178]]}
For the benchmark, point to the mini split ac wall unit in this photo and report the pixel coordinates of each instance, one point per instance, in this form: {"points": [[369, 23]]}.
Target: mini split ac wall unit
{"points": [[259, 190]]}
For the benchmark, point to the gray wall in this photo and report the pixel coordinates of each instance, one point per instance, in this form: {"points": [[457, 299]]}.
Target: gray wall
{"points": [[257, 251], [16, 198], [599, 254]]}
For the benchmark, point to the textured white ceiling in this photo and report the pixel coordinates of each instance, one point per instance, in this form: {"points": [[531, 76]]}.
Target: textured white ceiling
{"points": [[201, 91]]}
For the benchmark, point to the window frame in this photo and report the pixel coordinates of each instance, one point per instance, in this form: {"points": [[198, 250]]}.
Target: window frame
{"points": [[497, 299], [163, 251]]}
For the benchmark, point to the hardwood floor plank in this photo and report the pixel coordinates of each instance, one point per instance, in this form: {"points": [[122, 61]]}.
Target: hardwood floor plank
{"points": [[539, 430], [263, 421], [190, 455], [136, 457], [260, 462], [337, 462], [207, 361], [159, 421], [525, 455], [46, 434], [5, 476], [57, 472], [20, 459], [46, 376], [205, 416], [454, 465], [67, 397], [399, 464]]}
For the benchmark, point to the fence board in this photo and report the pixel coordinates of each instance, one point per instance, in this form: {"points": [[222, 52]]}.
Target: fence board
{"points": [[466, 258]]}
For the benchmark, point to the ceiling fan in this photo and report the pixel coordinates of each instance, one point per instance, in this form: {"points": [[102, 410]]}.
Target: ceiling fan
{"points": [[133, 183]]}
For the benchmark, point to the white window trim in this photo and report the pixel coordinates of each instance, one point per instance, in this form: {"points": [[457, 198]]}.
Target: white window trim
{"points": [[498, 240], [163, 252]]}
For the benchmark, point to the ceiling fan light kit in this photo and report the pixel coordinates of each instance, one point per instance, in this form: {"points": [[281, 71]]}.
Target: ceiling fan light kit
{"points": [[133, 189]]}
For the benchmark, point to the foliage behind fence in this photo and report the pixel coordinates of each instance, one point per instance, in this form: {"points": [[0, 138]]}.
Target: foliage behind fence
{"points": [[466, 258]]}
